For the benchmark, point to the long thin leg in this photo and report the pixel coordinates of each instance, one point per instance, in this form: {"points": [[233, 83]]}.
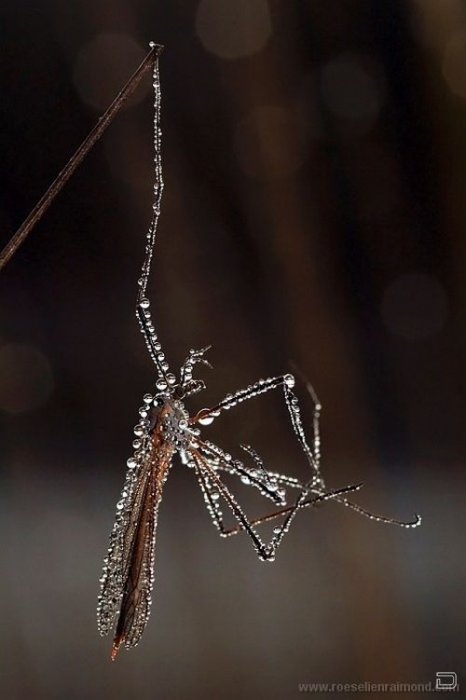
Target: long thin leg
{"points": [[308, 502], [317, 407], [267, 484], [205, 475], [142, 306], [195, 357], [336, 495], [213, 487], [265, 476], [207, 415], [293, 408], [316, 485], [211, 498]]}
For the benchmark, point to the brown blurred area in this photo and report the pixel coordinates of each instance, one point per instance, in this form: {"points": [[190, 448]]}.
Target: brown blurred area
{"points": [[314, 209]]}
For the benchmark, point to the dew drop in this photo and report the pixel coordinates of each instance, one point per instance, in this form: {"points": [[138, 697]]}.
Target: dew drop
{"points": [[131, 463], [161, 384], [144, 303], [206, 420], [289, 380]]}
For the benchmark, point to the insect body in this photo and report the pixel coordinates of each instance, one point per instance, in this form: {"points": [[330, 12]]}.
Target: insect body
{"points": [[165, 429]]}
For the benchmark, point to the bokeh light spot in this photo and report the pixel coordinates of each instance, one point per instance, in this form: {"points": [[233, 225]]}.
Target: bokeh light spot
{"points": [[270, 143], [26, 379], [233, 28], [414, 306], [104, 65], [432, 22], [454, 64], [351, 89]]}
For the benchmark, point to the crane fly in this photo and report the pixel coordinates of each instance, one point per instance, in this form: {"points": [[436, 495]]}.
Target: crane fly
{"points": [[166, 429]]}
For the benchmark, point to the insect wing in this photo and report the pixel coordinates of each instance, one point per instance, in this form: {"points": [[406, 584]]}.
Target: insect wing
{"points": [[116, 562], [127, 579], [139, 556]]}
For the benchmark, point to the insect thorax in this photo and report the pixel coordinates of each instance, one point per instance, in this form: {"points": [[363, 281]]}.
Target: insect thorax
{"points": [[172, 421]]}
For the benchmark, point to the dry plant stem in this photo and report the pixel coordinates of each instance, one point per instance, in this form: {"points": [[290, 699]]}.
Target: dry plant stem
{"points": [[77, 158]]}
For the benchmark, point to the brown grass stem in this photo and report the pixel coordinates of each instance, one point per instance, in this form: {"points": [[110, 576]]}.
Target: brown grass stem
{"points": [[76, 159]]}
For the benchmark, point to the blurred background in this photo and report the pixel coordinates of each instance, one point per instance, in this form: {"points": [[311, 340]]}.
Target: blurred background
{"points": [[314, 210]]}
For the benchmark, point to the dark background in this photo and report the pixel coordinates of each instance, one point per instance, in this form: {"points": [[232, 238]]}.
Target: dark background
{"points": [[314, 209]]}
